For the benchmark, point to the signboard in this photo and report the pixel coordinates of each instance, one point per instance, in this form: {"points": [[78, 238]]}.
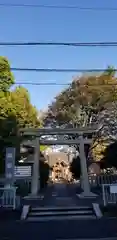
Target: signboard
{"points": [[113, 188], [22, 171], [9, 165]]}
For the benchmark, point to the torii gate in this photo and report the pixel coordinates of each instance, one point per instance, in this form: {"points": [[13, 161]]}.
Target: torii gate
{"points": [[37, 133]]}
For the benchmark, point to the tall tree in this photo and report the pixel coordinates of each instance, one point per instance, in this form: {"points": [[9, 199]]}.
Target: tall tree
{"points": [[16, 111], [110, 155], [6, 76], [107, 132], [26, 114], [84, 98]]}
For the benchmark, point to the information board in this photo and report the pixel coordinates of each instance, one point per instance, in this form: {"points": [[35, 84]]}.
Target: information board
{"points": [[22, 171], [9, 165], [113, 188]]}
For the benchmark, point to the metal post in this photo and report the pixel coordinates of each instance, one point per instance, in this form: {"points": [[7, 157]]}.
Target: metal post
{"points": [[38, 165], [104, 194], [35, 185], [85, 179]]}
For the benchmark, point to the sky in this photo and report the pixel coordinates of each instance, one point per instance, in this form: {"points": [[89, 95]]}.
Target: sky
{"points": [[58, 25]]}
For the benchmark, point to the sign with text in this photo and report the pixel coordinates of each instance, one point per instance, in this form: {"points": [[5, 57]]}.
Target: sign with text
{"points": [[113, 188], [9, 165], [22, 171]]}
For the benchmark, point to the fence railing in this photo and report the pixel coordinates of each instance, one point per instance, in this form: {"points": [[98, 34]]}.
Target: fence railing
{"points": [[8, 197], [108, 197], [23, 187], [94, 180], [99, 180]]}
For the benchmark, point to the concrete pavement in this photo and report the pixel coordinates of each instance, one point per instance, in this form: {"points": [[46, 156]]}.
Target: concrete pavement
{"points": [[58, 230], [59, 194]]}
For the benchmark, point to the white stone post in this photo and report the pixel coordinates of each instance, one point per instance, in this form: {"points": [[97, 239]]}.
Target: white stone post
{"points": [[85, 180], [35, 184]]}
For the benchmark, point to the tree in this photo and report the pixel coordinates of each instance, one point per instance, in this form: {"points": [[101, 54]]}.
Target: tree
{"points": [[7, 120], [90, 99], [26, 114], [84, 98], [8, 128], [107, 131], [16, 111], [49, 119], [75, 167], [6, 76], [110, 155]]}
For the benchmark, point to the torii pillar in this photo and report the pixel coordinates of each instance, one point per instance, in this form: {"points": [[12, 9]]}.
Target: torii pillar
{"points": [[35, 184], [85, 179]]}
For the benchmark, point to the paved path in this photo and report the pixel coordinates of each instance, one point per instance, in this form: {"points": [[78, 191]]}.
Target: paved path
{"points": [[60, 195], [65, 195], [64, 229], [58, 230]]}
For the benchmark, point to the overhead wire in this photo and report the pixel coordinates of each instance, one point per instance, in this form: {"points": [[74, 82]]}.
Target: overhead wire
{"points": [[74, 44], [74, 7], [43, 84], [68, 44], [62, 84], [60, 70]]}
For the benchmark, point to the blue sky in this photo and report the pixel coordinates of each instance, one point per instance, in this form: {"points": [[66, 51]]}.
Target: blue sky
{"points": [[37, 24]]}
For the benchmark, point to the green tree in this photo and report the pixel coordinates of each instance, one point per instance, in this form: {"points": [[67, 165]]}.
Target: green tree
{"points": [[26, 114], [110, 155], [106, 134], [6, 76], [85, 96], [16, 111]]}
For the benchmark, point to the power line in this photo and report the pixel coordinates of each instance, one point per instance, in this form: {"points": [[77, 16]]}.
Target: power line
{"points": [[72, 44], [60, 70], [74, 7], [62, 84], [43, 84]]}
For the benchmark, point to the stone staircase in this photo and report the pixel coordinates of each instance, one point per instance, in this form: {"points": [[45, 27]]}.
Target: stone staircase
{"points": [[38, 214]]}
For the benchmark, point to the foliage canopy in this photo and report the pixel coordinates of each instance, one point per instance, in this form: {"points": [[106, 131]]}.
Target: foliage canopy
{"points": [[16, 111]]}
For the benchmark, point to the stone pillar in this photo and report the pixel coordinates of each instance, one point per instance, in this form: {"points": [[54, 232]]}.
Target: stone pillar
{"points": [[35, 184], [85, 180]]}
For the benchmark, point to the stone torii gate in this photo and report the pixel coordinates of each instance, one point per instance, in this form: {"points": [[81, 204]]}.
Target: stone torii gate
{"points": [[38, 133]]}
